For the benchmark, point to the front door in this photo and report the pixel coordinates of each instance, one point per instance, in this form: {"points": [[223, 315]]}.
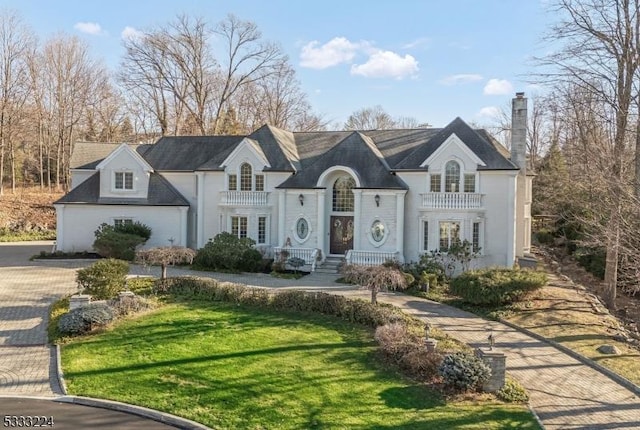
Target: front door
{"points": [[341, 237]]}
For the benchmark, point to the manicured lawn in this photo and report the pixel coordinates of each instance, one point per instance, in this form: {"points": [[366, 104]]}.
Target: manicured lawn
{"points": [[234, 368]]}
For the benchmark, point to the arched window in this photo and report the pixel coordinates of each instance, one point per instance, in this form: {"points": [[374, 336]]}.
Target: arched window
{"points": [[245, 177], [452, 177], [343, 194]]}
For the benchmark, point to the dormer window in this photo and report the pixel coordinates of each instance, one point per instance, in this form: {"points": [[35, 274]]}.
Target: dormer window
{"points": [[123, 181]]}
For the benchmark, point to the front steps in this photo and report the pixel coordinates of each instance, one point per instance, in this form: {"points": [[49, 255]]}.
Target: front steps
{"points": [[330, 265]]}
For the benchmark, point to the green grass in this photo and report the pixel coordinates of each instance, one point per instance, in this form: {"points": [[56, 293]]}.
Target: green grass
{"points": [[235, 368]]}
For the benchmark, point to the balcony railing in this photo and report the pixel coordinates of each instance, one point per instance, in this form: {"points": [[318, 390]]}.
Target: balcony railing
{"points": [[452, 201], [244, 198], [309, 255]]}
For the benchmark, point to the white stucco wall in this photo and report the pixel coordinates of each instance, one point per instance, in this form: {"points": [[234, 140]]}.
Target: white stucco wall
{"points": [[77, 224], [123, 161]]}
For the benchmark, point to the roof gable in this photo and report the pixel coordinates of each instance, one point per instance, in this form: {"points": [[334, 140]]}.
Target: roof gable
{"points": [[491, 158], [279, 147], [357, 152], [124, 148], [250, 145], [453, 141]]}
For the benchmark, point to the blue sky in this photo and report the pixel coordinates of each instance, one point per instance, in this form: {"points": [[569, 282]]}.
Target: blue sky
{"points": [[432, 60]]}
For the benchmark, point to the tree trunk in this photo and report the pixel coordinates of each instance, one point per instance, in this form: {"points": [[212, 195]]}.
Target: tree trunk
{"points": [[163, 274], [611, 264], [374, 296]]}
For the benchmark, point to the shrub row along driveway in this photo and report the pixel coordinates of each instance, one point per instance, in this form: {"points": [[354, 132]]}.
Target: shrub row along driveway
{"points": [[564, 392]]}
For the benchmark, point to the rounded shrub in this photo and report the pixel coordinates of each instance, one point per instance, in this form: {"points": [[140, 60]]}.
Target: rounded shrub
{"points": [[228, 252], [496, 286], [104, 278], [513, 392], [464, 372], [120, 241], [86, 318]]}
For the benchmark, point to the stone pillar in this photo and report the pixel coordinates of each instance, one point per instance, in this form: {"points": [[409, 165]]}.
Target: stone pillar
{"points": [[79, 300], [431, 344], [497, 362]]}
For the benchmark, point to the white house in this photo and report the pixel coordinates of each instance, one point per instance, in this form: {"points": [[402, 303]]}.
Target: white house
{"points": [[367, 195]]}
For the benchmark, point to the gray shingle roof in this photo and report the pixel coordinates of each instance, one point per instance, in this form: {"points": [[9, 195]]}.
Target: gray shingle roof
{"points": [[279, 147], [191, 153], [356, 151], [87, 155], [161, 193], [476, 142]]}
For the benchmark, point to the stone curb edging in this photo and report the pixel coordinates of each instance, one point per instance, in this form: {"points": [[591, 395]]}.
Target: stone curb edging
{"points": [[635, 389], [152, 414], [535, 415]]}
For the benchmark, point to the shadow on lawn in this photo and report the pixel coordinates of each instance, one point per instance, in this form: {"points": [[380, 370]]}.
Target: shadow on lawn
{"points": [[412, 397]]}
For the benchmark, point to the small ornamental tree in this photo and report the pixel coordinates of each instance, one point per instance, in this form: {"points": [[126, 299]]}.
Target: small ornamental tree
{"points": [[165, 256], [375, 278]]}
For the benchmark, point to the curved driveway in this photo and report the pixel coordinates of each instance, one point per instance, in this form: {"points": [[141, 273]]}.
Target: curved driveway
{"points": [[565, 393]]}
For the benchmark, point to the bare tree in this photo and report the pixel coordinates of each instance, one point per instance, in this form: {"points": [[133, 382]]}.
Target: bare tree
{"points": [[373, 118], [16, 40], [247, 59]]}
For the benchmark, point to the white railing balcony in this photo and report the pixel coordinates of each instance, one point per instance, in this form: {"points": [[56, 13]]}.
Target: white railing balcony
{"points": [[452, 201], [309, 255], [371, 258], [244, 198]]}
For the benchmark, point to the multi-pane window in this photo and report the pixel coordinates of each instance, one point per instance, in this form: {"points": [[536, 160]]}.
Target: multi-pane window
{"points": [[233, 182], [239, 226], [343, 200], [475, 238], [123, 180], [449, 234], [469, 183], [452, 177], [425, 235], [262, 229], [259, 182], [118, 222], [436, 182], [246, 177]]}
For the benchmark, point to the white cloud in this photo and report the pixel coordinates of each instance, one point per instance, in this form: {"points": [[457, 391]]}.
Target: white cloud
{"points": [[462, 78], [337, 50], [498, 87], [386, 64], [489, 112], [130, 33], [89, 28]]}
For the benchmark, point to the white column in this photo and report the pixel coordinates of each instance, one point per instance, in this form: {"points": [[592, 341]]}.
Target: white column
{"points": [[321, 222], [511, 221], [183, 225], [282, 206], [357, 212], [200, 210], [59, 227], [400, 225]]}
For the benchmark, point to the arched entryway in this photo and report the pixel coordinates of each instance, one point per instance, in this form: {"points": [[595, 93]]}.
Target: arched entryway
{"points": [[341, 222]]}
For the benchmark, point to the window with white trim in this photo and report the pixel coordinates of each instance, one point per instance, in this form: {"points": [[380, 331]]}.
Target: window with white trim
{"points": [[239, 226], [118, 222], [233, 182], [262, 230], [452, 177], [343, 199], [123, 180], [436, 182], [469, 183], [425, 235], [246, 176], [259, 182], [475, 237], [449, 234]]}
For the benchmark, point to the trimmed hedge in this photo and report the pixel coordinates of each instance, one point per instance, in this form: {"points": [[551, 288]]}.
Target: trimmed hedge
{"points": [[356, 311], [496, 286], [227, 252]]}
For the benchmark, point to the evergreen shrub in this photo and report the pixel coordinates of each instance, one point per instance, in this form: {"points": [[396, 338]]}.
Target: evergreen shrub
{"points": [[496, 286], [104, 278]]}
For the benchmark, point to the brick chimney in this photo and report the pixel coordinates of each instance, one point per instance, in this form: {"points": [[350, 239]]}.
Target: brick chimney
{"points": [[519, 131]]}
